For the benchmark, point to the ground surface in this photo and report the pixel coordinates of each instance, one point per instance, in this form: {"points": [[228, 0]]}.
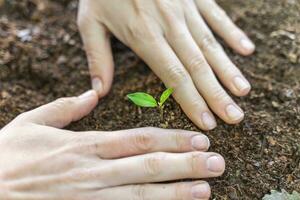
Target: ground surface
{"points": [[262, 153]]}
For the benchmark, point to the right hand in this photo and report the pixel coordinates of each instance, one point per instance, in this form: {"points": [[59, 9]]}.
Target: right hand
{"points": [[172, 37], [38, 160]]}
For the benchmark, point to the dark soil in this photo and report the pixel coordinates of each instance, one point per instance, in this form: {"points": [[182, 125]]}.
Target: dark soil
{"points": [[262, 153]]}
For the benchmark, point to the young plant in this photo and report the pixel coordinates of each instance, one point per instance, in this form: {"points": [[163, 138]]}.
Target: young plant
{"points": [[146, 100]]}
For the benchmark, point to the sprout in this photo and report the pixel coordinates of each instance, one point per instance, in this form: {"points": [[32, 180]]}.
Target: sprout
{"points": [[146, 100]]}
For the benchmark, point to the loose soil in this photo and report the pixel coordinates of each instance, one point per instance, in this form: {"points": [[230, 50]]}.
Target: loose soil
{"points": [[262, 152]]}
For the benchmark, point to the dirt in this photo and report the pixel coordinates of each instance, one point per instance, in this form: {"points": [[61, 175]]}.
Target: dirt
{"points": [[41, 59]]}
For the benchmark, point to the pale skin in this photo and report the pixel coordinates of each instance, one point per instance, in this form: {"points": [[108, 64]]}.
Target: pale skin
{"points": [[174, 38], [41, 161]]}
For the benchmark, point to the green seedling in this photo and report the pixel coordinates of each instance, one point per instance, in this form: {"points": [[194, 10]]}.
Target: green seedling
{"points": [[142, 99]]}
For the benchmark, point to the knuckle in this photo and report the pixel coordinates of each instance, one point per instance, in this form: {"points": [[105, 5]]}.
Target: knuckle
{"points": [[208, 43], [177, 36], [176, 74], [152, 164], [64, 102], [220, 95], [180, 140], [139, 192], [95, 147], [93, 56], [84, 174], [164, 5], [197, 104], [198, 65], [86, 145], [219, 15], [94, 53], [230, 70], [143, 140], [92, 148], [169, 10], [193, 162]]}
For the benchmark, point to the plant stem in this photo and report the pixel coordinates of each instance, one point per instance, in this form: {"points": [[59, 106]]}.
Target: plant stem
{"points": [[161, 109]]}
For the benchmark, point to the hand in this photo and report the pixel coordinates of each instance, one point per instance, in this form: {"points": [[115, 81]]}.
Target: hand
{"points": [[173, 39], [40, 161]]}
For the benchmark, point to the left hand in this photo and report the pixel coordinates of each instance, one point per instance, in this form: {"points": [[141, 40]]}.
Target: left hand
{"points": [[39, 160]]}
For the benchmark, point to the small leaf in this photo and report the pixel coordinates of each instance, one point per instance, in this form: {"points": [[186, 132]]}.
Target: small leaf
{"points": [[165, 95], [142, 99]]}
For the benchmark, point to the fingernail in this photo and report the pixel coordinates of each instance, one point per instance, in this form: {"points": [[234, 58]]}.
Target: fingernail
{"points": [[201, 191], [215, 164], [88, 94], [200, 142], [208, 121], [247, 44], [241, 84], [97, 85], [234, 113]]}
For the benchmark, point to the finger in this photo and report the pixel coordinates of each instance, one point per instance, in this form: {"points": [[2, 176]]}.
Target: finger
{"points": [[97, 45], [159, 167], [161, 58], [140, 141], [222, 24], [186, 190], [227, 72], [63, 111], [204, 78]]}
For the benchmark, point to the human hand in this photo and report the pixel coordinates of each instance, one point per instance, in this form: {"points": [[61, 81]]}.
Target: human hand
{"points": [[38, 160], [174, 40]]}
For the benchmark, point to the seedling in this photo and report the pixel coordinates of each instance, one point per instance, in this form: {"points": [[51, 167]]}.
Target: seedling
{"points": [[146, 100]]}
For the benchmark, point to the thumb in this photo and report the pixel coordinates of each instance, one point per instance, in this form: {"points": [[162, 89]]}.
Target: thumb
{"points": [[97, 45], [63, 111]]}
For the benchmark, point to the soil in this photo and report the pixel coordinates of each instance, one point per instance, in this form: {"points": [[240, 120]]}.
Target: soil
{"points": [[41, 59]]}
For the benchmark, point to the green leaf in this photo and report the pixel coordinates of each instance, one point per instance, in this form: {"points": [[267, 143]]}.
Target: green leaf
{"points": [[165, 95], [283, 195], [142, 99]]}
